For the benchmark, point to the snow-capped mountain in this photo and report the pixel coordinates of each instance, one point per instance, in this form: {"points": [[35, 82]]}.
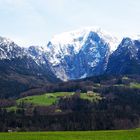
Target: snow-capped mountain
{"points": [[73, 55], [22, 69], [80, 53], [126, 59], [25, 67], [9, 50]]}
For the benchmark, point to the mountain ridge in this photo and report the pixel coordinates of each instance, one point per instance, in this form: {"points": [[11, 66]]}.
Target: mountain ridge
{"points": [[72, 55], [80, 49]]}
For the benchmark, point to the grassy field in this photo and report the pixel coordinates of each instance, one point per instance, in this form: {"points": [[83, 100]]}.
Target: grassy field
{"points": [[51, 98], [135, 85], [44, 99], [41, 100], [87, 135]]}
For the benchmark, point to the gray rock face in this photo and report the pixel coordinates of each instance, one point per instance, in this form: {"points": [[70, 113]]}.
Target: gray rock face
{"points": [[9, 50], [73, 55], [79, 54], [26, 61], [125, 60]]}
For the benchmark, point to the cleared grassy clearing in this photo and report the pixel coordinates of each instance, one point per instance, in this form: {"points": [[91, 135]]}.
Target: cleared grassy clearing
{"points": [[135, 85], [52, 98], [44, 99]]}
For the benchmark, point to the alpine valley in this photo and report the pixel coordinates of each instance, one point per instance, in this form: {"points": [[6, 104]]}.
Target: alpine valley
{"points": [[69, 56], [85, 79]]}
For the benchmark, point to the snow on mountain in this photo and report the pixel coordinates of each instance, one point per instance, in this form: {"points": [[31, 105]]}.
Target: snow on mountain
{"points": [[37, 54], [78, 37], [62, 44], [24, 61], [5, 41], [125, 60], [73, 54], [9, 50]]}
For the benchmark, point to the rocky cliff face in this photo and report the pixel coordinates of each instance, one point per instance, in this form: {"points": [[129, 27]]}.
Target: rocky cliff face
{"points": [[79, 54], [22, 69], [125, 60], [72, 55]]}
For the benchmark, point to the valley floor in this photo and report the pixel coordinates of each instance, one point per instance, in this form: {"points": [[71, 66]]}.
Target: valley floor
{"points": [[79, 135]]}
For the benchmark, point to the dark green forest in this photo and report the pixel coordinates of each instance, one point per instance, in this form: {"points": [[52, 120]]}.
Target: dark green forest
{"points": [[117, 108]]}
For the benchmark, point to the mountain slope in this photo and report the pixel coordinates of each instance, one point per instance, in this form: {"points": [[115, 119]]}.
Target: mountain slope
{"points": [[80, 53], [22, 69], [68, 56], [125, 60]]}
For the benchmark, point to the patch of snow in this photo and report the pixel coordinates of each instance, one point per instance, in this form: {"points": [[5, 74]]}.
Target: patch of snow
{"points": [[94, 63], [83, 76], [78, 37], [61, 44]]}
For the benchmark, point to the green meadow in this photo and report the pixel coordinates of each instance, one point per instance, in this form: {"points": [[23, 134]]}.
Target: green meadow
{"points": [[82, 135], [51, 98]]}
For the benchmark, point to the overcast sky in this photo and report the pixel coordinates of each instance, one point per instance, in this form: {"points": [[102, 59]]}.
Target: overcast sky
{"points": [[34, 22]]}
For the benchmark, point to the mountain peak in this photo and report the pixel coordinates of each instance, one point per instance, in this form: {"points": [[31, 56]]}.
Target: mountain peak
{"points": [[79, 36], [5, 41], [126, 42], [80, 52]]}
